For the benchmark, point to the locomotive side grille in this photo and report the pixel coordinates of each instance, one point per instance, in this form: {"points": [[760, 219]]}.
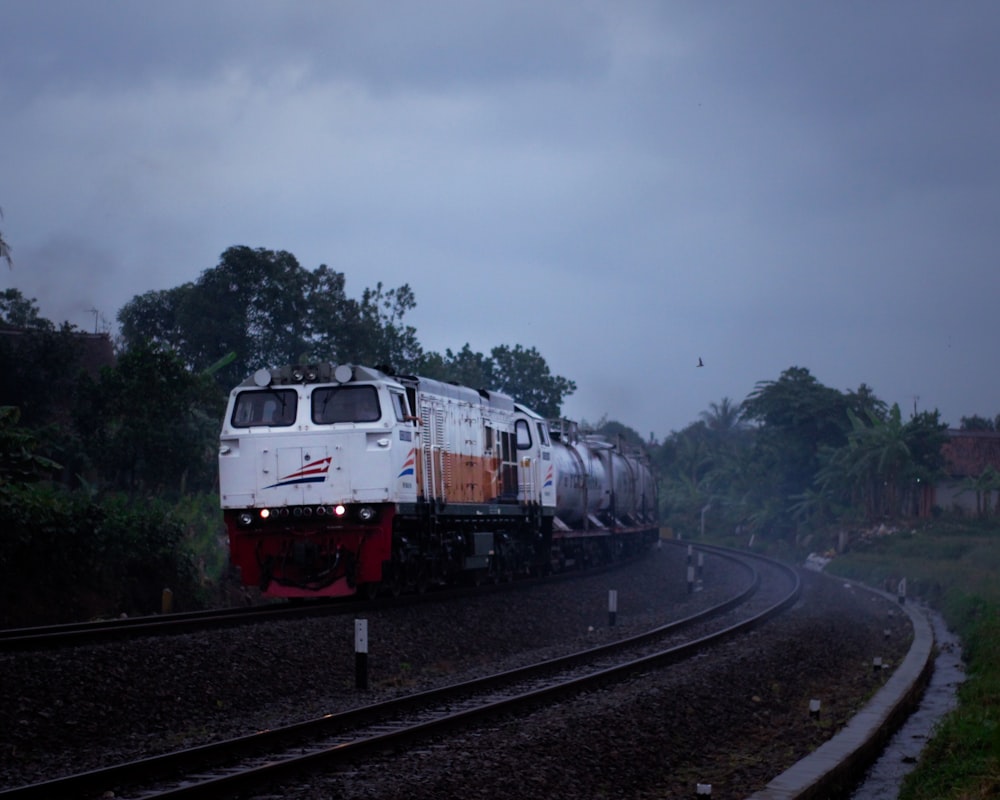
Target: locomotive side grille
{"points": [[433, 451], [427, 449], [440, 450], [445, 463]]}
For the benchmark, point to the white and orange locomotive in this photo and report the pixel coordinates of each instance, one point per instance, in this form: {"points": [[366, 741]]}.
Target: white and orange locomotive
{"points": [[340, 478]]}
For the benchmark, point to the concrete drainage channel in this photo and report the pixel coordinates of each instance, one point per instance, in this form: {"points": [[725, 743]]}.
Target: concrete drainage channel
{"points": [[900, 755], [833, 769]]}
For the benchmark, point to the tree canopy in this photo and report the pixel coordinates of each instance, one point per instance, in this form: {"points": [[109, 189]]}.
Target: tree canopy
{"points": [[796, 453], [265, 308], [21, 312], [262, 307]]}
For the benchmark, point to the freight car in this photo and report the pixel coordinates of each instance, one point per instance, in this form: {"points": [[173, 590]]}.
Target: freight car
{"points": [[339, 478]]}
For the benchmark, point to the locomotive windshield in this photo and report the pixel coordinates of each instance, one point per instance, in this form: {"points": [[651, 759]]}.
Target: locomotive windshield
{"points": [[332, 404], [273, 407]]}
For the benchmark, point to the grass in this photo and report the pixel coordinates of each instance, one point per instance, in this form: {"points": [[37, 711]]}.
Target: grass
{"points": [[954, 565]]}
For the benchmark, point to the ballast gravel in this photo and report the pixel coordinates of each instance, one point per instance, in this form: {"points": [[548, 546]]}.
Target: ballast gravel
{"points": [[732, 718]]}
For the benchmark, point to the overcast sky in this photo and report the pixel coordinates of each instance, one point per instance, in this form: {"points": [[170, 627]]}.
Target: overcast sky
{"points": [[625, 186]]}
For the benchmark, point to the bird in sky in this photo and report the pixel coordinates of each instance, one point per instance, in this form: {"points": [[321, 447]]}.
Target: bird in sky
{"points": [[700, 362]]}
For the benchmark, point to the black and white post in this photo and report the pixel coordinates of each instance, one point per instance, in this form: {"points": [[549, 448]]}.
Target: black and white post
{"points": [[612, 606], [361, 654]]}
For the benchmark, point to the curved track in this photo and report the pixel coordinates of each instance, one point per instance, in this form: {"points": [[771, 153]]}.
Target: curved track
{"points": [[224, 767]]}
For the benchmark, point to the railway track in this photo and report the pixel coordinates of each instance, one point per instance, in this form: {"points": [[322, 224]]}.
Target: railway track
{"points": [[74, 634], [226, 767]]}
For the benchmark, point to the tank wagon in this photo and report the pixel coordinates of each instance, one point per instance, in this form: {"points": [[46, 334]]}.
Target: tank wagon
{"points": [[339, 478]]}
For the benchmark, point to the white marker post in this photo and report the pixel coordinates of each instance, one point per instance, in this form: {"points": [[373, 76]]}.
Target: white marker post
{"points": [[612, 606], [361, 654], [901, 591]]}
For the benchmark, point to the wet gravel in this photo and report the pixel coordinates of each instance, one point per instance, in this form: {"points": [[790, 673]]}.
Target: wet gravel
{"points": [[733, 718]]}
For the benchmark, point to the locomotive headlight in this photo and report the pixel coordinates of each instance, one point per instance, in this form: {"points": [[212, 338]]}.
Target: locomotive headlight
{"points": [[366, 513], [265, 513], [244, 518], [340, 510]]}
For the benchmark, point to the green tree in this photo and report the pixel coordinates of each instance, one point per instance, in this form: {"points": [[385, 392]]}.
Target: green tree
{"points": [[684, 465], [152, 319], [465, 367], [252, 304], [19, 311], [925, 436], [264, 307], [983, 484], [723, 416], [40, 367], [519, 372], [977, 423], [864, 402], [20, 461], [619, 431], [885, 465], [524, 374], [380, 335], [334, 319], [797, 417], [880, 458], [150, 424]]}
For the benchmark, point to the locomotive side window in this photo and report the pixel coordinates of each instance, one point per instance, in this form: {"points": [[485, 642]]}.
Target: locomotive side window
{"points": [[331, 404], [523, 435], [399, 405], [543, 433], [273, 407]]}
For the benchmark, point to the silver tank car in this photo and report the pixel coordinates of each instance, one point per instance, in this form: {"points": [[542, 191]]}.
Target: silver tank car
{"points": [[600, 484]]}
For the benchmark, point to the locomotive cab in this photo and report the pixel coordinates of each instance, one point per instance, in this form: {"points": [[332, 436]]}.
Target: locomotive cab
{"points": [[312, 463]]}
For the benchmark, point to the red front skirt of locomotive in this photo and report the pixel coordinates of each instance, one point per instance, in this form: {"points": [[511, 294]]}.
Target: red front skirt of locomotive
{"points": [[310, 552]]}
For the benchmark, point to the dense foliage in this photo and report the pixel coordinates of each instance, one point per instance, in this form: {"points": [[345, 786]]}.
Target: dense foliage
{"points": [[796, 455], [67, 555]]}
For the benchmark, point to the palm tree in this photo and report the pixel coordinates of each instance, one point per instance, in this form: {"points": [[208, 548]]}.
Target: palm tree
{"points": [[722, 416], [875, 463]]}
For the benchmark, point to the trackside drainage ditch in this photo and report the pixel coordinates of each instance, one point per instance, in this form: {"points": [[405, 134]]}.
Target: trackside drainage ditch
{"points": [[885, 776]]}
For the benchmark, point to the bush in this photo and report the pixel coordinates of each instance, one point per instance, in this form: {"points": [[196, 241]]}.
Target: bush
{"points": [[67, 557]]}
